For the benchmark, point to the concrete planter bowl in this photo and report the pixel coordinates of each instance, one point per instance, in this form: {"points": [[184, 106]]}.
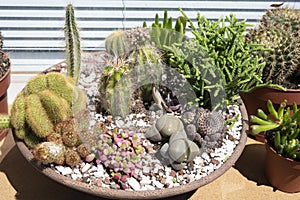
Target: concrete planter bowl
{"points": [[148, 194]]}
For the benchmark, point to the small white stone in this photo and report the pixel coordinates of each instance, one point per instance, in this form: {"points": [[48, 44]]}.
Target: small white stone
{"points": [[85, 167], [67, 171], [134, 183], [77, 171], [144, 182], [149, 187], [158, 184]]}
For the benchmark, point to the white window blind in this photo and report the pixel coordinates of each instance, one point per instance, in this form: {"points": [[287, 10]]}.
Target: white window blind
{"points": [[33, 30]]}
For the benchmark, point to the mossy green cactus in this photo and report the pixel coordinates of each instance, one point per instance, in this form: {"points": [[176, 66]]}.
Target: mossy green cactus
{"points": [[36, 84], [37, 109], [60, 85], [56, 107], [37, 117]]}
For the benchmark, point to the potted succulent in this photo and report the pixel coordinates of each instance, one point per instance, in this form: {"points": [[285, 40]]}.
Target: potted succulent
{"points": [[282, 135], [278, 32], [5, 68]]}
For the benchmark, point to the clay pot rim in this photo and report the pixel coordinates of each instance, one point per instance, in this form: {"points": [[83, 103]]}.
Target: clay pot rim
{"points": [[5, 80], [271, 149], [149, 194]]}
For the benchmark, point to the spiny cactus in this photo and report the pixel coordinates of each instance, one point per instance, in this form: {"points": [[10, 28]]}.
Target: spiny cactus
{"points": [[116, 44], [38, 108], [4, 121], [278, 31], [114, 90], [72, 38], [48, 152], [72, 158]]}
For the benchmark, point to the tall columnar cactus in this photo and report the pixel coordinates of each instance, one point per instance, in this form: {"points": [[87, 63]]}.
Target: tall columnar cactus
{"points": [[278, 31], [72, 38]]}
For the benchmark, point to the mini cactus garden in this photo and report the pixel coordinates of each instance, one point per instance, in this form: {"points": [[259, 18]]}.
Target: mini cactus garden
{"points": [[154, 110]]}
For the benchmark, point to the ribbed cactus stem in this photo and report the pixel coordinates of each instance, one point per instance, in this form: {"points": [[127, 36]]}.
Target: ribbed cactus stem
{"points": [[72, 38], [4, 121]]}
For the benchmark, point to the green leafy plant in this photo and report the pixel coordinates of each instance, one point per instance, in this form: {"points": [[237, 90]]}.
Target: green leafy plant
{"points": [[282, 127], [278, 31], [224, 42]]}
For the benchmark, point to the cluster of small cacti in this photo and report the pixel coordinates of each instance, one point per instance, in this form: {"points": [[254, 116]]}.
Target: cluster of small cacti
{"points": [[4, 63], [38, 111], [165, 34], [206, 128], [46, 100], [179, 149], [63, 145], [119, 151], [278, 31], [130, 52], [282, 128]]}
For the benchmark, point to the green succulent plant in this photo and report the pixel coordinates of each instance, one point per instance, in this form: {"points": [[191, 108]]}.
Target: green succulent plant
{"points": [[234, 62], [282, 127], [179, 149], [278, 31], [164, 34]]}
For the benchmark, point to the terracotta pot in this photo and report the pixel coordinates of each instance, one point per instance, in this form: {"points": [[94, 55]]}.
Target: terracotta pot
{"points": [[283, 173], [4, 84], [258, 99]]}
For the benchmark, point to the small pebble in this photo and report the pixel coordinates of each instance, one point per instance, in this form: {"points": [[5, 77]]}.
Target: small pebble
{"points": [[134, 184]]}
